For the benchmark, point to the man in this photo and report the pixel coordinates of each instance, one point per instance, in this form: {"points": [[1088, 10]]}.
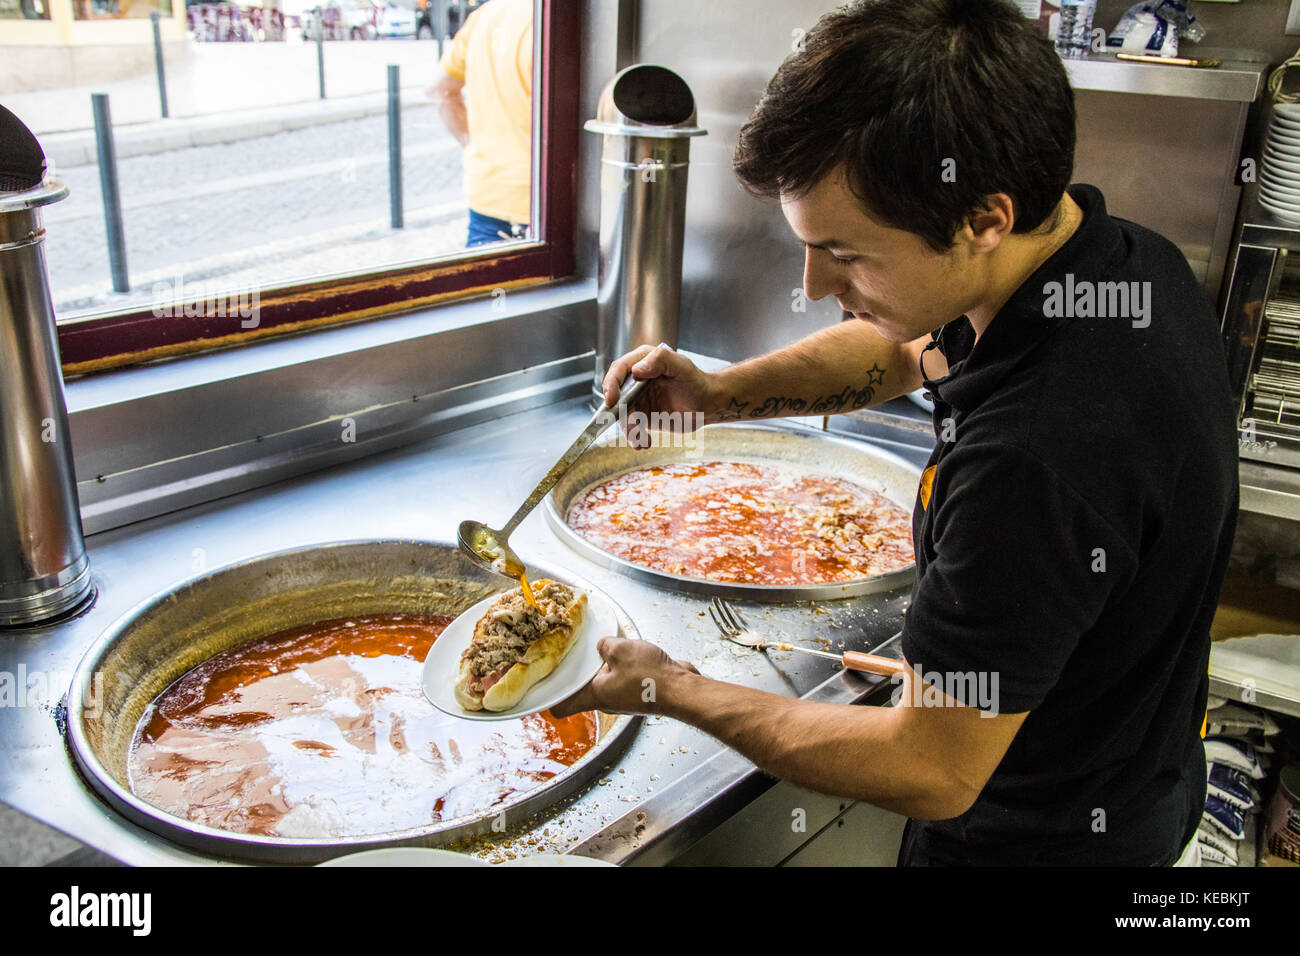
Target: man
{"points": [[485, 97], [1073, 526]]}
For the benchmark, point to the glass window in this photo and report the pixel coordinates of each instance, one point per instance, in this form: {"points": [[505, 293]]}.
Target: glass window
{"points": [[119, 9], [24, 10], [257, 188]]}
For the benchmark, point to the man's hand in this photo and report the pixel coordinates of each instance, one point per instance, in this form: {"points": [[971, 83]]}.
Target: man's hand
{"points": [[638, 678], [834, 370], [676, 385]]}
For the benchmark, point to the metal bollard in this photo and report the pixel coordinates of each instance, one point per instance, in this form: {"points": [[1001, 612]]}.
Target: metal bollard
{"points": [[158, 63], [109, 192], [320, 51], [394, 146]]}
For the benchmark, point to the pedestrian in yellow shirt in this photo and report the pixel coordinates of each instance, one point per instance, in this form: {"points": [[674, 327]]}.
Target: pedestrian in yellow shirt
{"points": [[485, 96]]}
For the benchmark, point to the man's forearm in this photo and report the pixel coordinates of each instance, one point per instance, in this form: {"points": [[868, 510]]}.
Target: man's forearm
{"points": [[455, 117], [862, 753], [834, 370]]}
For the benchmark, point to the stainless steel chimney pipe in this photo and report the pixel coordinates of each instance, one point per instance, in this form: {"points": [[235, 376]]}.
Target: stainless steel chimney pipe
{"points": [[44, 569], [647, 117]]}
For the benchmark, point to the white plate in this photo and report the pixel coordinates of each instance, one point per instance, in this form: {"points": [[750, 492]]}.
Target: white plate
{"points": [[1280, 179], [1282, 122], [1277, 206], [1284, 215], [1289, 148], [556, 860], [1286, 193], [1289, 152], [1287, 110], [1280, 199], [405, 856], [1279, 163], [579, 666], [1271, 167]]}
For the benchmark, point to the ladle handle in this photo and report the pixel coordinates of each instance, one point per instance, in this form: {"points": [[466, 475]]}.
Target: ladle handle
{"points": [[604, 417]]}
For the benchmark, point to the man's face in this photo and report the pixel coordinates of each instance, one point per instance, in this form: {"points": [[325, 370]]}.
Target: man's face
{"points": [[888, 277]]}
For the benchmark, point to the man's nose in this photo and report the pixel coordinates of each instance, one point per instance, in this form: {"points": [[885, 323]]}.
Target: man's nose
{"points": [[819, 279]]}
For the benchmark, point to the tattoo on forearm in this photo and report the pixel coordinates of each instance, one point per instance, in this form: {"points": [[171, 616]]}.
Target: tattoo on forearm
{"points": [[774, 406], [733, 411], [845, 401]]}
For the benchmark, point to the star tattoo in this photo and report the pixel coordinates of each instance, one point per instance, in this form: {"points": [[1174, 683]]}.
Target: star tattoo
{"points": [[733, 411]]}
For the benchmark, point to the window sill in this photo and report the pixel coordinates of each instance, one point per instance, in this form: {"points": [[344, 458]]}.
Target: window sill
{"points": [[154, 438]]}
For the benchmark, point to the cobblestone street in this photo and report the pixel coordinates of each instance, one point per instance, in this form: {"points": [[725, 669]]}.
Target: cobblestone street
{"points": [[250, 206], [303, 203]]}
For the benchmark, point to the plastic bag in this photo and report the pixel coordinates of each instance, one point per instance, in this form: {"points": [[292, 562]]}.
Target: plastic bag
{"points": [[1234, 753], [1154, 27], [1224, 818]]}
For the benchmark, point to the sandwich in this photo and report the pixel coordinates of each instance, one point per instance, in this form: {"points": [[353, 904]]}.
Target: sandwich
{"points": [[517, 644]]}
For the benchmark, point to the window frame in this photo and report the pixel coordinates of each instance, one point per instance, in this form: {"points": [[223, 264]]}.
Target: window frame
{"points": [[101, 342]]}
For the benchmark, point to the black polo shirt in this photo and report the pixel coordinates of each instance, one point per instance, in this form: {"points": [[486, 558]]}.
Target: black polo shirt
{"points": [[1072, 533]]}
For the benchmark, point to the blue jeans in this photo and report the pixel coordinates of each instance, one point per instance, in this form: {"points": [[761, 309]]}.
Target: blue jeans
{"points": [[483, 229]]}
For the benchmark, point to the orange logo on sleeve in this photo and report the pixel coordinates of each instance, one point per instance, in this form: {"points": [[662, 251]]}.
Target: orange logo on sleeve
{"points": [[927, 480]]}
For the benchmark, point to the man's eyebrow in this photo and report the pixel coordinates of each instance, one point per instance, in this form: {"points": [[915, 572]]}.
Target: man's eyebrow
{"points": [[827, 243]]}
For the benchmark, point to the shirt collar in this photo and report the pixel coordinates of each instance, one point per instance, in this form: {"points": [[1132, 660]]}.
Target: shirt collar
{"points": [[1020, 326]]}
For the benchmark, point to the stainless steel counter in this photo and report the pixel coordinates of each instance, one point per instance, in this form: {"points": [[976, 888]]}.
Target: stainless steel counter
{"points": [[672, 785]]}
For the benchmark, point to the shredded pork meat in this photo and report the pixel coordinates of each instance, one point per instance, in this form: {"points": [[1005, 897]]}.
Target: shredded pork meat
{"points": [[511, 625]]}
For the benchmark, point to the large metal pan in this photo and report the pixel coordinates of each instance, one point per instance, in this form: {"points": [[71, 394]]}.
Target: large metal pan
{"points": [[852, 460], [151, 646]]}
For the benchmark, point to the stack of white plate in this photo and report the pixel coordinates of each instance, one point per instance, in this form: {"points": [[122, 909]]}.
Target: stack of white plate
{"points": [[1279, 175]]}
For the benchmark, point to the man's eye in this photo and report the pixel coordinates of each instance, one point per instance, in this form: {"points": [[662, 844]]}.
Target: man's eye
{"points": [[842, 260]]}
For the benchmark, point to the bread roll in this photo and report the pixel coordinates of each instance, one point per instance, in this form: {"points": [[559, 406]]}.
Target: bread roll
{"points": [[520, 644]]}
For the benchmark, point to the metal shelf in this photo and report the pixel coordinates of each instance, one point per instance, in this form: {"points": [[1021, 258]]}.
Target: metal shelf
{"points": [[1263, 671], [1238, 80], [1269, 490], [1233, 691]]}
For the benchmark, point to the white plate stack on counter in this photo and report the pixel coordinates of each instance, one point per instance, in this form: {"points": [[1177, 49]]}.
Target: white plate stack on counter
{"points": [[1279, 174]]}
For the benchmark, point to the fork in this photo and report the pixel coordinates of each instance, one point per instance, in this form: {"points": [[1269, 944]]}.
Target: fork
{"points": [[734, 628]]}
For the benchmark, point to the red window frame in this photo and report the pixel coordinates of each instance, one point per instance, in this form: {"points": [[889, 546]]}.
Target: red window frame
{"points": [[111, 341]]}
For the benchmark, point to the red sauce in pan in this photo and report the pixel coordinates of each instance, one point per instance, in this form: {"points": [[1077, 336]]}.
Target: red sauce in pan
{"points": [[745, 523], [323, 730]]}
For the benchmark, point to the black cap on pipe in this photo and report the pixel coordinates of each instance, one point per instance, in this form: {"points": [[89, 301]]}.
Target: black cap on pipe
{"points": [[22, 161]]}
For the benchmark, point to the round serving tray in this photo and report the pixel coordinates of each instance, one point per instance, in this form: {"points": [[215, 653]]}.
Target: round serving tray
{"points": [[153, 644], [852, 460]]}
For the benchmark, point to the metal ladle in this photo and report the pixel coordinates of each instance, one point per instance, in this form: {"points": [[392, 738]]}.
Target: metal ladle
{"points": [[489, 548]]}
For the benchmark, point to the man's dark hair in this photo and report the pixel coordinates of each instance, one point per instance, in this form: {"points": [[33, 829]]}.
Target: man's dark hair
{"points": [[892, 89]]}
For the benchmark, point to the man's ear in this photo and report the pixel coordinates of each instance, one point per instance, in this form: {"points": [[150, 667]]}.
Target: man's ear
{"points": [[986, 228]]}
